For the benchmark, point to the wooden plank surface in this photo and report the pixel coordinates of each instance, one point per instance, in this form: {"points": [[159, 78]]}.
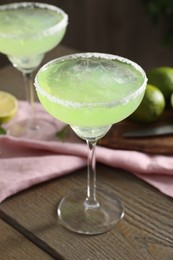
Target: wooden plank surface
{"points": [[146, 229], [13, 245], [153, 144]]}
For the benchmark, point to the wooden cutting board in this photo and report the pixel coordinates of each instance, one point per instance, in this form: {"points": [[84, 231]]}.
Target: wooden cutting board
{"points": [[155, 145]]}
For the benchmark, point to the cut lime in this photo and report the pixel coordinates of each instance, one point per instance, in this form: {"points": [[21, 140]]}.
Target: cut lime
{"points": [[8, 106]]}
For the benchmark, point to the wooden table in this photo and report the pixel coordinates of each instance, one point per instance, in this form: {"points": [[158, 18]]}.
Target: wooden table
{"points": [[29, 227]]}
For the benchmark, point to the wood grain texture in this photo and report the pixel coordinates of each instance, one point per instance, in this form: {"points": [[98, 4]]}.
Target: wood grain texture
{"points": [[154, 145], [13, 245], [144, 233]]}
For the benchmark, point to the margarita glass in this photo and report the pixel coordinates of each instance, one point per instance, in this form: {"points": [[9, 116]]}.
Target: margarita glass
{"points": [[27, 31], [90, 92]]}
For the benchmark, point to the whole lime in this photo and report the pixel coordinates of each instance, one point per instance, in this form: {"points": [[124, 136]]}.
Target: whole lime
{"points": [[162, 78], [151, 107]]}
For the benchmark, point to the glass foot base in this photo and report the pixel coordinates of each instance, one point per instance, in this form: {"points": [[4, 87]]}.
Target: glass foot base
{"points": [[38, 130], [77, 217]]}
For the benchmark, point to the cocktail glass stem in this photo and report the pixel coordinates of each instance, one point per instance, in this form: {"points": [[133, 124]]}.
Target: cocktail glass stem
{"points": [[94, 211], [91, 200], [28, 80]]}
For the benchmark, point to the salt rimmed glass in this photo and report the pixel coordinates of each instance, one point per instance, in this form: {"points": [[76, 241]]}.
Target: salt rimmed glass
{"points": [[25, 46], [90, 92]]}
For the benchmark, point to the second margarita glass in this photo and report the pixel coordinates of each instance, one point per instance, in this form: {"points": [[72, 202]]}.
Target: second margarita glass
{"points": [[27, 31]]}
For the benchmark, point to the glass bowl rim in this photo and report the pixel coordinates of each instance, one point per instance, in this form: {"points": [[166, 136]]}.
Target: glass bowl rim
{"points": [[49, 31], [113, 103]]}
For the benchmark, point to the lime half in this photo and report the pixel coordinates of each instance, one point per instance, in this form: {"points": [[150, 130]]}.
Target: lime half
{"points": [[8, 106]]}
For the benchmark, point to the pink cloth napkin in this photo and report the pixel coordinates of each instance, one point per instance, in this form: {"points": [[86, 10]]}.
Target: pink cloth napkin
{"points": [[25, 162]]}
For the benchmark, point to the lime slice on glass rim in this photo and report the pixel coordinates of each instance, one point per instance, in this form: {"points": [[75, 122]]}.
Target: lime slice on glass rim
{"points": [[8, 106]]}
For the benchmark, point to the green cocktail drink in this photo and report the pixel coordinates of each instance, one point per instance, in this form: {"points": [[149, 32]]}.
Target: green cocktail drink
{"points": [[92, 94], [27, 31], [90, 91], [30, 29]]}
